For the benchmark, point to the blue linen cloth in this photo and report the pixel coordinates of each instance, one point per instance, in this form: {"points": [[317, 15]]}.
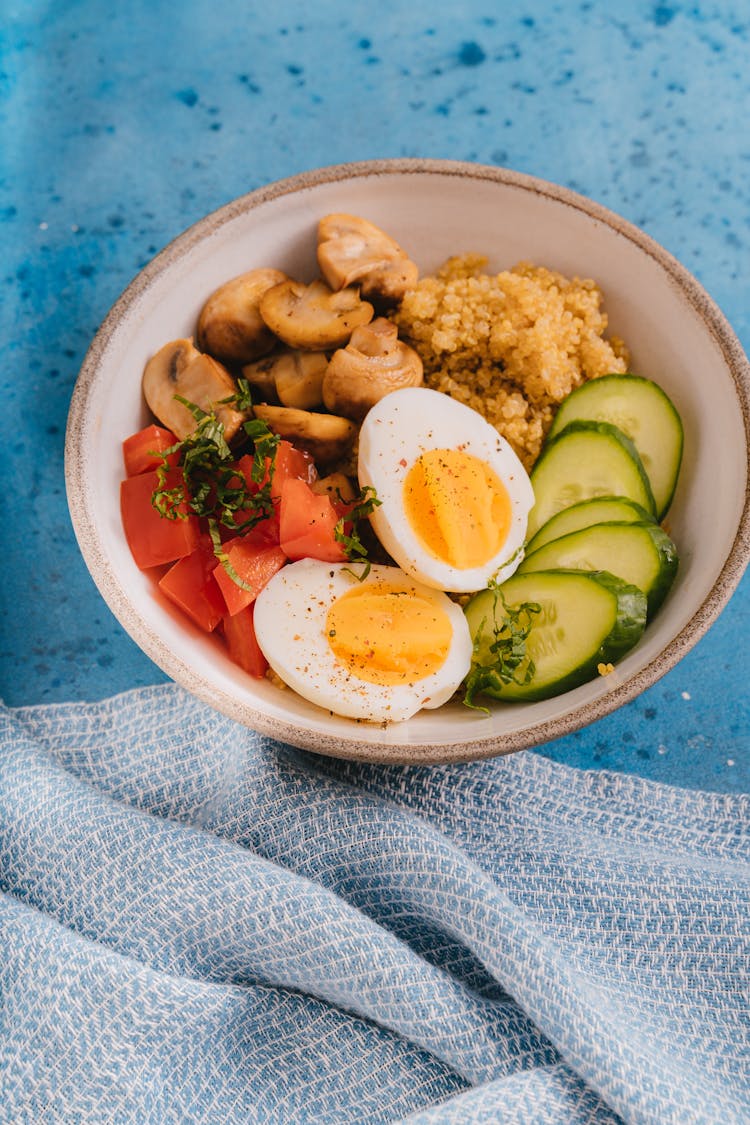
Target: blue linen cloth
{"points": [[201, 925]]}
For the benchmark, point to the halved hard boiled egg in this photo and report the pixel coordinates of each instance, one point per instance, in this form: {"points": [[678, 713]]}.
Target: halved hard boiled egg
{"points": [[454, 497], [377, 648]]}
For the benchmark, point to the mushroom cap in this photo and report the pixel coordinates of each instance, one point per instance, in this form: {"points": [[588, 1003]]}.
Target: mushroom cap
{"points": [[178, 368], [230, 326], [374, 363], [313, 317], [325, 436], [352, 249]]}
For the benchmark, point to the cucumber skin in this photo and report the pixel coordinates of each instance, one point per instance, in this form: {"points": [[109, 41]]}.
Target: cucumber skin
{"points": [[630, 621], [639, 515], [665, 548], [610, 431], [568, 404]]}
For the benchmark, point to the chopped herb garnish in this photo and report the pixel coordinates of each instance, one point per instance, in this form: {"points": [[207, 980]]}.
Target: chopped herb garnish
{"points": [[243, 400], [507, 650], [212, 487], [354, 548]]}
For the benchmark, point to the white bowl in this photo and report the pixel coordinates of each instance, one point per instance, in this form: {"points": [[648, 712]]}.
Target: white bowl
{"points": [[677, 336]]}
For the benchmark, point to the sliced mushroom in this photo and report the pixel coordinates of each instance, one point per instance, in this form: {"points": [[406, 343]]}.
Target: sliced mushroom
{"points": [[299, 378], [230, 327], [373, 363], [312, 317], [293, 378], [180, 369], [260, 376], [325, 436], [351, 249], [336, 485]]}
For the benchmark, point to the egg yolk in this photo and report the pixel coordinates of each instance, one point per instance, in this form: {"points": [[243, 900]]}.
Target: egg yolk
{"points": [[388, 636], [457, 506]]}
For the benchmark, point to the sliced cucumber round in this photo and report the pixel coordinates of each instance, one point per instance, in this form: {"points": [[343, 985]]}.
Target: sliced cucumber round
{"points": [[602, 509], [644, 412], [585, 460], [584, 620], [639, 553]]}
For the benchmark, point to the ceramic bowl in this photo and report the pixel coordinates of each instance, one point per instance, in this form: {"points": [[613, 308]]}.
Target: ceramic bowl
{"points": [[435, 209]]}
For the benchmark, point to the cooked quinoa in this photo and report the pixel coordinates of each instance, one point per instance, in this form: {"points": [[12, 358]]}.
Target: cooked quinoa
{"points": [[511, 345]]}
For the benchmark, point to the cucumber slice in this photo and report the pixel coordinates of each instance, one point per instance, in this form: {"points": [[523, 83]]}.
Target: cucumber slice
{"points": [[603, 509], [585, 460], [644, 412], [586, 619], [642, 554]]}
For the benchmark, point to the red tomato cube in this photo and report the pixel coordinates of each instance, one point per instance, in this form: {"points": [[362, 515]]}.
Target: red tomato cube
{"points": [[153, 539], [191, 585], [268, 527], [307, 522], [289, 463], [142, 451], [239, 633], [255, 561]]}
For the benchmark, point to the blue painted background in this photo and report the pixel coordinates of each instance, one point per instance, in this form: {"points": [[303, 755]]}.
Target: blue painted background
{"points": [[122, 126]]}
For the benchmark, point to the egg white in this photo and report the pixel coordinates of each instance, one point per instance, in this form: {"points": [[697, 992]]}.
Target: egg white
{"points": [[396, 431], [290, 625]]}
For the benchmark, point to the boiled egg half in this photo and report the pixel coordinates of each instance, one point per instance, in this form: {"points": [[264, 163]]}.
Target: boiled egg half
{"points": [[454, 497], [376, 648]]}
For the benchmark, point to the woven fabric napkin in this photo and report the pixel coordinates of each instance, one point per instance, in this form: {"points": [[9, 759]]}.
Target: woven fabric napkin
{"points": [[200, 925]]}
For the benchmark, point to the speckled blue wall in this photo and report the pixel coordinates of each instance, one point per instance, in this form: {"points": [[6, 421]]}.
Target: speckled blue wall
{"points": [[122, 127]]}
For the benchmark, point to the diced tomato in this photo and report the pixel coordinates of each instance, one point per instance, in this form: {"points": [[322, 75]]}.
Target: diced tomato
{"points": [[255, 561], [268, 527], [191, 585], [289, 463], [307, 522], [142, 451], [239, 633], [153, 539]]}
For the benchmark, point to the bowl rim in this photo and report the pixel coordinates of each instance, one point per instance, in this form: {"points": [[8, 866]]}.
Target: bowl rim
{"points": [[360, 747]]}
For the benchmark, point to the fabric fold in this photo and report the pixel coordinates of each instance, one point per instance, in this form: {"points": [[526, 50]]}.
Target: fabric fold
{"points": [[573, 941]]}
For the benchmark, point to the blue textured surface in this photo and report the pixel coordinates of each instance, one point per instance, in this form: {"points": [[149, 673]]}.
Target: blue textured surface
{"points": [[121, 127]]}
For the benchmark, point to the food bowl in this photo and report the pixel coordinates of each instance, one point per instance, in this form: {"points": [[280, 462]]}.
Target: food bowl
{"points": [[435, 209]]}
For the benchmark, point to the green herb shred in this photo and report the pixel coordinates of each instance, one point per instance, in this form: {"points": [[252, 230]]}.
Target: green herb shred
{"points": [[507, 650], [212, 487], [354, 548]]}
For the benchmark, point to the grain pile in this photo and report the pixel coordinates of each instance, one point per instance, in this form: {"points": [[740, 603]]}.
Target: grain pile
{"points": [[511, 345]]}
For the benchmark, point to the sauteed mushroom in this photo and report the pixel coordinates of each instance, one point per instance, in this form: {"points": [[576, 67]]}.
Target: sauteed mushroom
{"points": [[313, 317], [353, 250], [260, 376], [230, 326], [336, 485], [180, 369], [373, 363], [326, 437], [294, 378]]}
